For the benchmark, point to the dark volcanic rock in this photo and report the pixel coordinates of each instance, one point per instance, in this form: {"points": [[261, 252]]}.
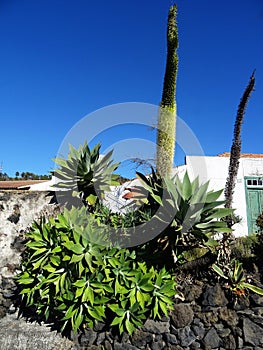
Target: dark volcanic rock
{"points": [[156, 327], [182, 315], [186, 336], [214, 296], [141, 339], [212, 339], [253, 333]]}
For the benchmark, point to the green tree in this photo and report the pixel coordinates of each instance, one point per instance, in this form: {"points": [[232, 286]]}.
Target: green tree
{"points": [[167, 114]]}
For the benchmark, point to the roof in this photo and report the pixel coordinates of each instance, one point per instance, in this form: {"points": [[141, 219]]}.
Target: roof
{"points": [[242, 155], [14, 185]]}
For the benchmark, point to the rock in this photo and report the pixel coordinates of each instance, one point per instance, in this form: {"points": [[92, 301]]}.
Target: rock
{"points": [[242, 304], [170, 339], [17, 334], [182, 315], [208, 318], [256, 299], [158, 345], [212, 339], [258, 310], [141, 339], [156, 327], [195, 346], [253, 333], [199, 331], [229, 342], [223, 332], [88, 337], [107, 345], [2, 311], [192, 292], [240, 343], [124, 346], [256, 319], [101, 337], [228, 316], [214, 296], [186, 336]]}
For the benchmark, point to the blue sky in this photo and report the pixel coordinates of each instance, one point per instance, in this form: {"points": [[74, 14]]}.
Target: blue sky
{"points": [[62, 60]]}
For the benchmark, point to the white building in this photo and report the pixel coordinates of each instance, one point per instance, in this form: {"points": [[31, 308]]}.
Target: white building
{"points": [[248, 191]]}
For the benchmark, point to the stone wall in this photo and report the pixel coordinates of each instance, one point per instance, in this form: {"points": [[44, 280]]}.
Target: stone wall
{"points": [[207, 319], [18, 209]]}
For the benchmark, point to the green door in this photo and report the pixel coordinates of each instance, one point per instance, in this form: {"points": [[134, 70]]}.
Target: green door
{"points": [[254, 206]]}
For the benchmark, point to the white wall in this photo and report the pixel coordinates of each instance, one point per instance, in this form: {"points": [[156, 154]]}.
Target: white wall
{"points": [[215, 169]]}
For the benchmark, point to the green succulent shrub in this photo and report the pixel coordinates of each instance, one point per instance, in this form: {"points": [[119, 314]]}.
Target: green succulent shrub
{"points": [[73, 277], [85, 174], [236, 279], [243, 247], [188, 213]]}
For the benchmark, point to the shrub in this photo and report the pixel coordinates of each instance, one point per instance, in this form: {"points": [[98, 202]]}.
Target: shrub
{"points": [[70, 277], [190, 214], [85, 174]]}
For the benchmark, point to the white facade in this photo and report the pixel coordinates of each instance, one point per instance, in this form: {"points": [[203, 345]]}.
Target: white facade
{"points": [[215, 169]]}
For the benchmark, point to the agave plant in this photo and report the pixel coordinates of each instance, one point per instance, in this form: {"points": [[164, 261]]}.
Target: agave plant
{"points": [[192, 214], [236, 279], [85, 174]]}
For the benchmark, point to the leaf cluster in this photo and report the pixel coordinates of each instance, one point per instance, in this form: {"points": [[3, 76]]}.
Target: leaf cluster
{"points": [[71, 277], [191, 214], [85, 173], [236, 279]]}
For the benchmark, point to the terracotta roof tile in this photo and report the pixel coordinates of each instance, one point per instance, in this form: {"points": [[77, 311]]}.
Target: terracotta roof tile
{"points": [[12, 185], [242, 155]]}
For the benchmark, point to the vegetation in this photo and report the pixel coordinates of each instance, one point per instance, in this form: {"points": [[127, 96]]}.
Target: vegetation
{"points": [[84, 266], [85, 174], [186, 216], [167, 114], [236, 146], [69, 276], [236, 279], [24, 176]]}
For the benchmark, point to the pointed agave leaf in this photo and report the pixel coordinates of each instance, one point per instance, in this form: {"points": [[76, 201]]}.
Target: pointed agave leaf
{"points": [[238, 273], [253, 288], [219, 213], [212, 225], [144, 181], [212, 196], [187, 186], [218, 270], [200, 194]]}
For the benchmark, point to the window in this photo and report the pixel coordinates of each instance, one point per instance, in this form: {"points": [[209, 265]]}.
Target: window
{"points": [[254, 182]]}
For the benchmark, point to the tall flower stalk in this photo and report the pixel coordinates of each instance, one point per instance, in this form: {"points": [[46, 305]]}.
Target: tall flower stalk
{"points": [[236, 145], [166, 134]]}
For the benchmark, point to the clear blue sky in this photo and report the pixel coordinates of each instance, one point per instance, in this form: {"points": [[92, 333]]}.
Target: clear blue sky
{"points": [[62, 59]]}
